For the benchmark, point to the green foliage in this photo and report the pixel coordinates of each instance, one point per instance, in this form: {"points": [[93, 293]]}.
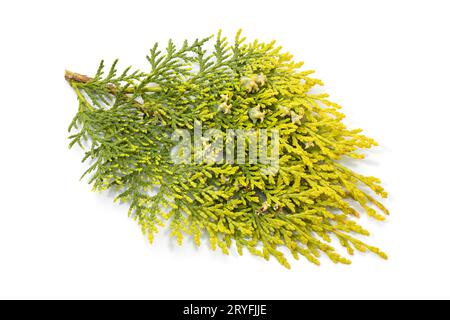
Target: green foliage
{"points": [[125, 121]]}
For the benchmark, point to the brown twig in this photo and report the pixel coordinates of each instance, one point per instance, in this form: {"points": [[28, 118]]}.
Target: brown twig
{"points": [[80, 78], [76, 77], [73, 77]]}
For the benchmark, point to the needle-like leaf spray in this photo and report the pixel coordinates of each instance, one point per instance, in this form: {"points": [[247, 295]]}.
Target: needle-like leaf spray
{"points": [[303, 203]]}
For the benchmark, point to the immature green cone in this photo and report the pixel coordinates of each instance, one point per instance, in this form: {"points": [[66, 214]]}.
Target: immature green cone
{"points": [[301, 201]]}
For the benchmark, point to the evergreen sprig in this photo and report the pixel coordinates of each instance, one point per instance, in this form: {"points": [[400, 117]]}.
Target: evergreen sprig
{"points": [[125, 121]]}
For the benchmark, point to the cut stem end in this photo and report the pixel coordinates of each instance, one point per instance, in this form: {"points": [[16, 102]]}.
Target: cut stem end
{"points": [[76, 77]]}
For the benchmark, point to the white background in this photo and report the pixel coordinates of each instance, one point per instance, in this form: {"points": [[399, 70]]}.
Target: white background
{"points": [[386, 62]]}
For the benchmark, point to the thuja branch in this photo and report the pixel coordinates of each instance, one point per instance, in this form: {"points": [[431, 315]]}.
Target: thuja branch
{"points": [[301, 205]]}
